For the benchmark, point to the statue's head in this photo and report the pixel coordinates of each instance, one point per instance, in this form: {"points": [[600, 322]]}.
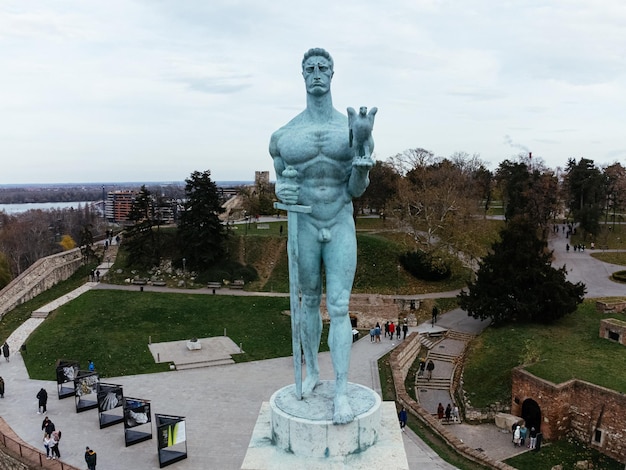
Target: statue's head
{"points": [[317, 70], [317, 52]]}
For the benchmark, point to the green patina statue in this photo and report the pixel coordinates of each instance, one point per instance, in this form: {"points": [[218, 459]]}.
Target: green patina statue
{"points": [[322, 160]]}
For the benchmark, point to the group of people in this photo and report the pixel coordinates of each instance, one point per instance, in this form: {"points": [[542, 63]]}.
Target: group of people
{"points": [[521, 432], [391, 330], [449, 413], [51, 438]]}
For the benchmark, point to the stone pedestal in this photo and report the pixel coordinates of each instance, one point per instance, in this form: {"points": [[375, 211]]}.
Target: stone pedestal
{"points": [[292, 433]]}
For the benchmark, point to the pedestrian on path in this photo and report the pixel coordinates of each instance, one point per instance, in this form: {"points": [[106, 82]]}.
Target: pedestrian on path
{"points": [[1, 387], [405, 329], [430, 367], [517, 436], [448, 413], [90, 458], [392, 330], [420, 373], [46, 443], [434, 315], [54, 445], [402, 417], [42, 396], [377, 332], [5, 351], [47, 426], [372, 335], [398, 331], [533, 438], [455, 414], [440, 411]]}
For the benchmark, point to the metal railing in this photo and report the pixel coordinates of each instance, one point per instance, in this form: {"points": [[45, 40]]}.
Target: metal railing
{"points": [[29, 455]]}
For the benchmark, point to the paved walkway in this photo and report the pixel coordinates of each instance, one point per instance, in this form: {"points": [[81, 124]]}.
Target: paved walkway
{"points": [[221, 403]]}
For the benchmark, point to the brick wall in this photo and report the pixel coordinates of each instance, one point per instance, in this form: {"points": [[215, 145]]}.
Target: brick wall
{"points": [[611, 328], [575, 406]]}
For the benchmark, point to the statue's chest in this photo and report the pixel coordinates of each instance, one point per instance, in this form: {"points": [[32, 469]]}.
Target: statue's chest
{"points": [[303, 144]]}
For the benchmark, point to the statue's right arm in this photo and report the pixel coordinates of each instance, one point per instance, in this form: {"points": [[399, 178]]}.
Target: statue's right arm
{"points": [[286, 188]]}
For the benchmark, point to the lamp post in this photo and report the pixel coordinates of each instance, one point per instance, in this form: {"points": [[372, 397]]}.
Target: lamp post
{"points": [[184, 272]]}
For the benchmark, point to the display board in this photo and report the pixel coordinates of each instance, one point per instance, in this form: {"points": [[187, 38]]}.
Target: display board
{"points": [[137, 420], [66, 372], [171, 439], [110, 401], [86, 390]]}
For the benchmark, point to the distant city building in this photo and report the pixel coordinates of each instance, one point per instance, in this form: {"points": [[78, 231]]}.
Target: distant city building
{"points": [[118, 206]]}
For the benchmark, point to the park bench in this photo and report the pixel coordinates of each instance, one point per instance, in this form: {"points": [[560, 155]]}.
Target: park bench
{"points": [[214, 285], [238, 284]]}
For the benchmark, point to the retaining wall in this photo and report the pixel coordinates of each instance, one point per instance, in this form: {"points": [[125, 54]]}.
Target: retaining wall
{"points": [[400, 361], [39, 277]]}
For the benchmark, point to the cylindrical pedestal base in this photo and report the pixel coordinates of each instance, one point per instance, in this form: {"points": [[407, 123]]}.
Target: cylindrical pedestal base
{"points": [[305, 427]]}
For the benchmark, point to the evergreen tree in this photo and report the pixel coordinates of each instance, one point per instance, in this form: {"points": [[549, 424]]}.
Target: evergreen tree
{"points": [[140, 240], [202, 234], [516, 282]]}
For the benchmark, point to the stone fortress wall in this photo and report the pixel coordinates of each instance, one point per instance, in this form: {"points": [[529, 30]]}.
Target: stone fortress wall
{"points": [[594, 414], [40, 276]]}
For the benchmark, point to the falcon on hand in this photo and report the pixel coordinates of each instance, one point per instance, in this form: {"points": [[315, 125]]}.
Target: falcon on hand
{"points": [[360, 126]]}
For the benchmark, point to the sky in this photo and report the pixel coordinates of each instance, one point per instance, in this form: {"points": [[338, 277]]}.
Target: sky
{"points": [[153, 90]]}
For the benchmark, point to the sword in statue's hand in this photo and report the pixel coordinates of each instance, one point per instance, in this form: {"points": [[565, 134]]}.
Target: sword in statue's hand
{"points": [[289, 174]]}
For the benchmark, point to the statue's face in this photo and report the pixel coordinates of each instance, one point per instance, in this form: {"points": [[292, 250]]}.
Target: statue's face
{"points": [[317, 74]]}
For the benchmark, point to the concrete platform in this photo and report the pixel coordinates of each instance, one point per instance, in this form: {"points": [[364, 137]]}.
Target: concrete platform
{"points": [[388, 452], [217, 350]]}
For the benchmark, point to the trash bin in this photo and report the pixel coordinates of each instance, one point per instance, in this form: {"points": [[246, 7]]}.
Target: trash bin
{"points": [[353, 321], [355, 335]]}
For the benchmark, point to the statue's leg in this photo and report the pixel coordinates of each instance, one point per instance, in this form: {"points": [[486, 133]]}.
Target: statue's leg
{"points": [[311, 319], [311, 335], [340, 264]]}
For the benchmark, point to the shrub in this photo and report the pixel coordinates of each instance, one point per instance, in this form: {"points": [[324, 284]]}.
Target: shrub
{"points": [[619, 276], [425, 266]]}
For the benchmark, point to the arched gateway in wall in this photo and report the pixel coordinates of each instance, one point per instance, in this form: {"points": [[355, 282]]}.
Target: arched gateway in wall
{"points": [[531, 413]]}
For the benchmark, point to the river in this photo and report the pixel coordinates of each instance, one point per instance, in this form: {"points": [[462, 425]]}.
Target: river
{"points": [[12, 209]]}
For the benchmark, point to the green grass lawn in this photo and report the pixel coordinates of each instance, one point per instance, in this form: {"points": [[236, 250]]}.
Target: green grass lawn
{"points": [[565, 452], [112, 328], [568, 349]]}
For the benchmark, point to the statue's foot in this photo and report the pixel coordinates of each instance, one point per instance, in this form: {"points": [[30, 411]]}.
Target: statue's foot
{"points": [[310, 382], [343, 413]]}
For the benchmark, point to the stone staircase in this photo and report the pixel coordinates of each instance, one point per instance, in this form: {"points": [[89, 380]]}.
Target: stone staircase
{"points": [[207, 363]]}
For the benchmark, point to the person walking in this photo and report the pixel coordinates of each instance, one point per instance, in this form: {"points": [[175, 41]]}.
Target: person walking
{"points": [[430, 367], [402, 417], [46, 443], [420, 373], [517, 436], [398, 331], [5, 351], [392, 330], [1, 387], [377, 332], [42, 396], [434, 315], [533, 438], [440, 412], [47, 426], [54, 444], [523, 432], [405, 329], [90, 458], [448, 412]]}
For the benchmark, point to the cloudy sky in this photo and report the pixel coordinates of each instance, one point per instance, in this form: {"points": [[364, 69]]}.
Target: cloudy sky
{"points": [[149, 90]]}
